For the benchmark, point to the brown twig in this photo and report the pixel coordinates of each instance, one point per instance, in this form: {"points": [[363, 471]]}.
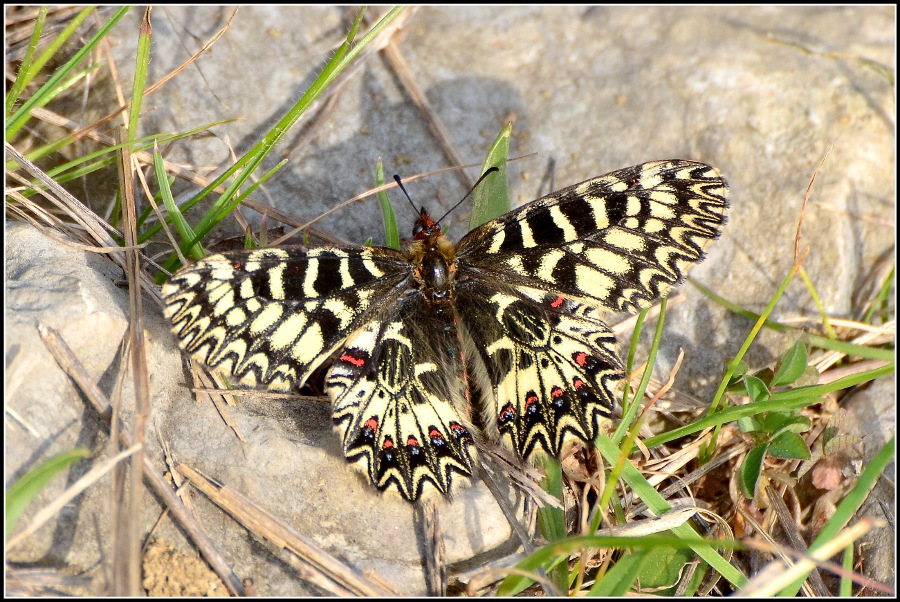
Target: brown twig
{"points": [[314, 564], [71, 366]]}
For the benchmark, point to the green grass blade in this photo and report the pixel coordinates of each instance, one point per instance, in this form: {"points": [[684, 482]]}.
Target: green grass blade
{"points": [[882, 298], [706, 451], [141, 64], [849, 505], [22, 77], [629, 361], [819, 305], [557, 553], [21, 116], [655, 502], [391, 233], [622, 576], [631, 410], [783, 401], [67, 172], [246, 165], [181, 225], [491, 198], [860, 351], [23, 491]]}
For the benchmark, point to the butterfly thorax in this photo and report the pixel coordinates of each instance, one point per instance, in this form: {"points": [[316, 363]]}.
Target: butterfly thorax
{"points": [[433, 257]]}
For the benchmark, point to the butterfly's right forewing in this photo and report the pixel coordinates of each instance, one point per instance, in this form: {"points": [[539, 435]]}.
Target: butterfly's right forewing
{"points": [[617, 242]]}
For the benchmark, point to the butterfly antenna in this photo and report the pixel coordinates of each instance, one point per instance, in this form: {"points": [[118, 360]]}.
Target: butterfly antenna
{"points": [[471, 190], [400, 184]]}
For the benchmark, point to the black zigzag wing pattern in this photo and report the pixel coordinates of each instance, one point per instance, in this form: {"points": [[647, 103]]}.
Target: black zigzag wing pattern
{"points": [[547, 368], [545, 358]]}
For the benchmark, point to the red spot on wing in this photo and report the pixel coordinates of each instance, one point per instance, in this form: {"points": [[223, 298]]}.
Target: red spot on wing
{"points": [[581, 358], [458, 430], [371, 424], [435, 435], [578, 383], [531, 399], [411, 441], [556, 392], [558, 301], [388, 443], [355, 357], [507, 414]]}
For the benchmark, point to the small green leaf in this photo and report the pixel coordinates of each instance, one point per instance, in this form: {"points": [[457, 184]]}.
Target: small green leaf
{"points": [[775, 423], [391, 234], [23, 491], [740, 369], [751, 469], [789, 445], [491, 197], [800, 424], [665, 569], [756, 388], [749, 424], [793, 366]]}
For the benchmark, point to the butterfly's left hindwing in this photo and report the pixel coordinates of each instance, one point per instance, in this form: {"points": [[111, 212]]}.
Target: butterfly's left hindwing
{"points": [[398, 401]]}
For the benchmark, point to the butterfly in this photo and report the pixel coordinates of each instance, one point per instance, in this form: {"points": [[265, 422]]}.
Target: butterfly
{"points": [[440, 347]]}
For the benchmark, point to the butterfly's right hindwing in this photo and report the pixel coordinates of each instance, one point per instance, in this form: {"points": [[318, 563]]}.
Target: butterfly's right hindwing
{"points": [[547, 367], [272, 316]]}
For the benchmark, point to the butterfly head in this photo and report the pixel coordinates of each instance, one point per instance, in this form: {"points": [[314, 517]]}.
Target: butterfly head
{"points": [[425, 227]]}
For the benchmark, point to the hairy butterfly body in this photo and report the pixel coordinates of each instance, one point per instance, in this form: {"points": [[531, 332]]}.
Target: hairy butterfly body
{"points": [[498, 337]]}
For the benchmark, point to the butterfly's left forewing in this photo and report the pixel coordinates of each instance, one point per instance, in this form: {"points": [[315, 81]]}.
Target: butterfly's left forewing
{"points": [[617, 242], [272, 316]]}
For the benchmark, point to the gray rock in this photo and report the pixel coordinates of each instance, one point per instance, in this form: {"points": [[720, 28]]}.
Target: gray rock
{"points": [[291, 463]]}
